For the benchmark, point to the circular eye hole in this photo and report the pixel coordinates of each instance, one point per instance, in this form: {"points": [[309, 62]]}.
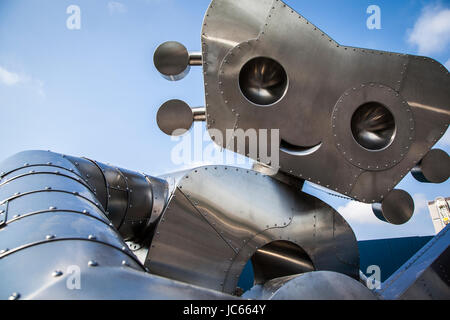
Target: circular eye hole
{"points": [[263, 81], [373, 126]]}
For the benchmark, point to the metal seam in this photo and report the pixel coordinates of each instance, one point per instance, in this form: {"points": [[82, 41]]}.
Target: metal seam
{"points": [[128, 198], [62, 191], [107, 222], [104, 180], [195, 207], [41, 165], [37, 243], [4, 214], [81, 181]]}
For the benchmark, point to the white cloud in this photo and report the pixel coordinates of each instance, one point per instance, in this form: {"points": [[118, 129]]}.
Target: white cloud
{"points": [[431, 33], [357, 212], [10, 79], [116, 7], [420, 202]]}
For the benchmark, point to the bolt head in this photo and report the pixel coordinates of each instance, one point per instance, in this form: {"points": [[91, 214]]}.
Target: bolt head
{"points": [[14, 296], [92, 263], [57, 273]]}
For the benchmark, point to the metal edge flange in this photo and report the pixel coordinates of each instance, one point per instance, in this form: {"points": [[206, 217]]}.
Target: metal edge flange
{"points": [[3, 213], [351, 150]]}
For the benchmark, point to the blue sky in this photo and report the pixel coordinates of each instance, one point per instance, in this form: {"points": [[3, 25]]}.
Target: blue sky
{"points": [[94, 92]]}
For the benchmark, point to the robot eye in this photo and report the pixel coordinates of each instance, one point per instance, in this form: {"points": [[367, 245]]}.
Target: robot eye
{"points": [[263, 81]]}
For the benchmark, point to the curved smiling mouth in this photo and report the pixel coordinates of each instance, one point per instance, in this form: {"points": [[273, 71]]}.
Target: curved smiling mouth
{"points": [[295, 150]]}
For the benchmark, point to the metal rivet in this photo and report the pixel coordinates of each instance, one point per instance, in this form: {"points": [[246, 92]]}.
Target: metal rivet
{"points": [[91, 237], [14, 296], [57, 273], [92, 263], [50, 237]]}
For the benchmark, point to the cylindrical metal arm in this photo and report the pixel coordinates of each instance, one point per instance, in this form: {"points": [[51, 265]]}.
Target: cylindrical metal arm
{"points": [[199, 114], [195, 58], [59, 232]]}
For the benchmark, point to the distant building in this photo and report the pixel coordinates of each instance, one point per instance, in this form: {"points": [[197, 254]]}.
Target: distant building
{"points": [[440, 213]]}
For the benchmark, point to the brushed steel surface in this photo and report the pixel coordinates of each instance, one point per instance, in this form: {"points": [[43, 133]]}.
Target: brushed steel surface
{"points": [[327, 84], [115, 276], [424, 276], [288, 258], [172, 59], [53, 223], [263, 81], [320, 285], [175, 117], [397, 208], [219, 217], [433, 168]]}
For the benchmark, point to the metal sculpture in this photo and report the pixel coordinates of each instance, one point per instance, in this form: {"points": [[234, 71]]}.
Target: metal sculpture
{"points": [[373, 116]]}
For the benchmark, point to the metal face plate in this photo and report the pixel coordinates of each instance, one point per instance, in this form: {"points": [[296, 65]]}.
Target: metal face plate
{"points": [[355, 153], [320, 71]]}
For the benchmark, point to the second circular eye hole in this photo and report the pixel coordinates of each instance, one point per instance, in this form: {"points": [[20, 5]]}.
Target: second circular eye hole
{"points": [[263, 81], [373, 126]]}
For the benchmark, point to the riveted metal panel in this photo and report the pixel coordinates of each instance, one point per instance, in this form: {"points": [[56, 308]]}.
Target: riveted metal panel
{"points": [[186, 247], [93, 176], [30, 170], [45, 183], [160, 191], [320, 74], [140, 204], [424, 276], [238, 203], [33, 203], [217, 41], [57, 265], [56, 225], [29, 159], [247, 211], [321, 285]]}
